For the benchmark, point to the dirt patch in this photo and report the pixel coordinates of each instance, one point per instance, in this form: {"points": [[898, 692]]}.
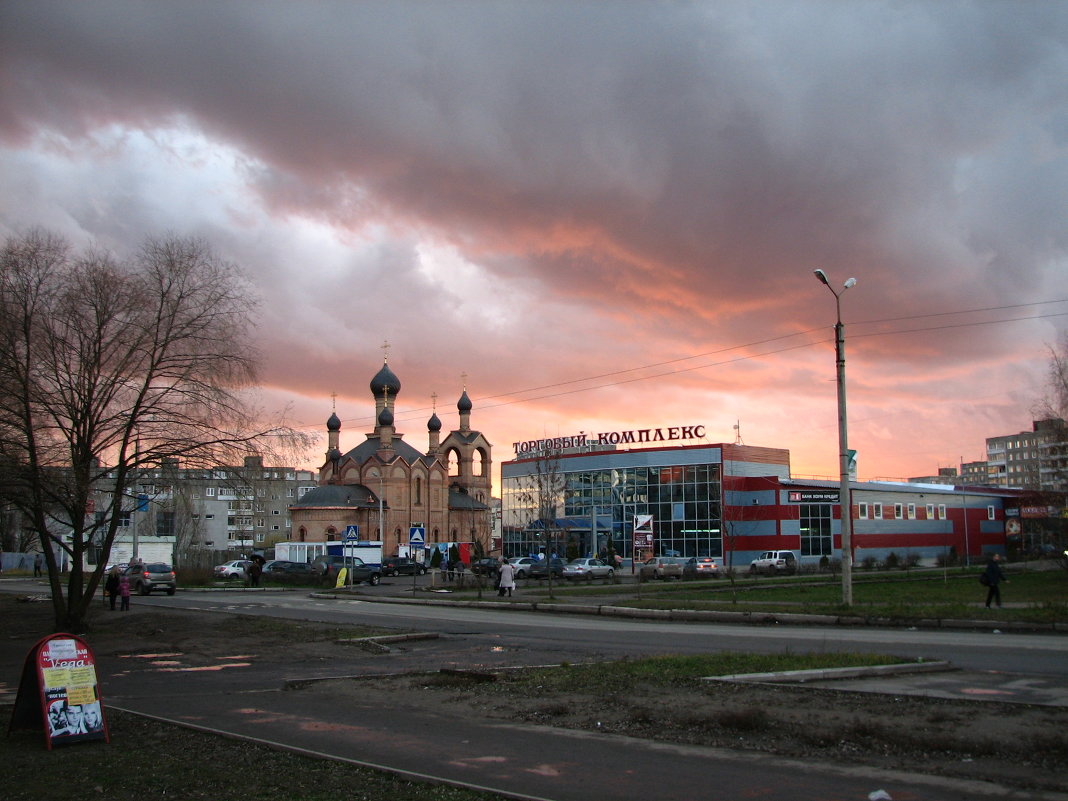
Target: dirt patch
{"points": [[1016, 745], [1021, 746]]}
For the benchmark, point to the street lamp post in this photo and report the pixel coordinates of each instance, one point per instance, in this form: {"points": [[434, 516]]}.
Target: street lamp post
{"points": [[845, 499]]}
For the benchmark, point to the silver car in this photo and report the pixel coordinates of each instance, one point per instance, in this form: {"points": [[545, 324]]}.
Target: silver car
{"points": [[661, 567], [522, 565], [587, 569], [235, 569]]}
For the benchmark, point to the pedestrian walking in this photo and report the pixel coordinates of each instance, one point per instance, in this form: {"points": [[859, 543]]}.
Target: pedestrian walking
{"points": [[38, 564], [111, 586], [506, 579], [254, 572], [445, 575], [124, 592], [992, 578]]}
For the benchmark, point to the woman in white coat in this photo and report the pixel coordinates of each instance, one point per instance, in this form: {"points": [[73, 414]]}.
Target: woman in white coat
{"points": [[506, 579]]}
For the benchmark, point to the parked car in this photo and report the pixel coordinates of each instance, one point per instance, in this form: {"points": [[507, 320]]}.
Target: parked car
{"points": [[660, 567], [485, 567], [540, 569], [152, 576], [774, 562], [587, 570], [522, 565], [396, 565], [700, 567], [283, 570], [360, 571], [235, 569]]}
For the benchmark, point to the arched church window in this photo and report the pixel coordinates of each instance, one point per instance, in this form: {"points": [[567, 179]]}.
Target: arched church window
{"points": [[454, 462], [478, 463], [418, 491]]}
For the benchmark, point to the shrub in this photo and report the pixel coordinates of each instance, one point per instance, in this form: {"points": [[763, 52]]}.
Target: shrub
{"points": [[947, 558], [893, 561], [868, 563]]}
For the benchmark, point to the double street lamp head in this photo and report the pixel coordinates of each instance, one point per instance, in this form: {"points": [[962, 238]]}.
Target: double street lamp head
{"points": [[822, 276]]}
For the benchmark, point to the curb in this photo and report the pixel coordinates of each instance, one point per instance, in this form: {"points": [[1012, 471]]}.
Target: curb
{"points": [[695, 615], [822, 674]]}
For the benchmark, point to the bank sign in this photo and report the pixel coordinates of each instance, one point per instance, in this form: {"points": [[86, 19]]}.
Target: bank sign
{"points": [[637, 436], [813, 496]]}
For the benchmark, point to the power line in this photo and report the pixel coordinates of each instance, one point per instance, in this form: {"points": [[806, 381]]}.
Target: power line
{"points": [[410, 414]]}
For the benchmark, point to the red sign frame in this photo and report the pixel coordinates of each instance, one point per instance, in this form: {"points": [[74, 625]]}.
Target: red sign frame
{"points": [[59, 692]]}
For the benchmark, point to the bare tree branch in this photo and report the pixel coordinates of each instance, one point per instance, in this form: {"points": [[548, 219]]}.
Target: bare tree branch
{"points": [[110, 368]]}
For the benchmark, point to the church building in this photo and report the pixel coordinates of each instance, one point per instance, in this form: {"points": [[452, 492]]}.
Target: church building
{"points": [[384, 485]]}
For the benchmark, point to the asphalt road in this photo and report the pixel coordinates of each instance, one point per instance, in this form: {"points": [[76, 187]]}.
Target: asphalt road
{"points": [[983, 650], [523, 761]]}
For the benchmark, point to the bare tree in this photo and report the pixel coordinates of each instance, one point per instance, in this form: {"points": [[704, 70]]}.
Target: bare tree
{"points": [[1055, 402], [539, 497], [108, 369]]}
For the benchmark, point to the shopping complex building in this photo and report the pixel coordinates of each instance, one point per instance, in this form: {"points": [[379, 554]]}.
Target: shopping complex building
{"points": [[657, 492]]}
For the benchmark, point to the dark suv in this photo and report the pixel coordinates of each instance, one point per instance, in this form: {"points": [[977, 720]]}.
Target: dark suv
{"points": [[540, 569], [360, 571], [396, 565], [153, 576]]}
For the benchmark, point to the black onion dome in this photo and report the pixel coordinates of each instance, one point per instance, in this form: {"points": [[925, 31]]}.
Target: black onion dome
{"points": [[385, 417], [384, 381], [333, 454], [334, 423], [464, 404], [433, 424]]}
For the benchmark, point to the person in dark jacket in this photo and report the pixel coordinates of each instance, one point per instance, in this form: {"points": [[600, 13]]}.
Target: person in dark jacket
{"points": [[111, 586], [994, 576]]}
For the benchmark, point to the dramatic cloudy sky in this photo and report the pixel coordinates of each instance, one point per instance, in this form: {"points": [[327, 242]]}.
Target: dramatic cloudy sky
{"points": [[605, 214]]}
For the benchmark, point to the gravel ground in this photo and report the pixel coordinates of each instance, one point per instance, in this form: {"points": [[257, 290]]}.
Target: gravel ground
{"points": [[1015, 745]]}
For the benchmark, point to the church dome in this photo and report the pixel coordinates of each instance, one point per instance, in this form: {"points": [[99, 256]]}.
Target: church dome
{"points": [[464, 404], [385, 382], [385, 417], [334, 423], [433, 424]]}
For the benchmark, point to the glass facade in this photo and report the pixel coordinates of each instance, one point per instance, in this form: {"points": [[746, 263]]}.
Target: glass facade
{"points": [[816, 539], [589, 511]]}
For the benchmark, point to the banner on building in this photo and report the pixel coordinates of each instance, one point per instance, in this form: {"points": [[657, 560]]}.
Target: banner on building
{"points": [[643, 532], [813, 496]]}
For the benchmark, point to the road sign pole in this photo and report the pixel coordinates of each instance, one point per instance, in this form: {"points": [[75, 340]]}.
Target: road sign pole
{"points": [[416, 539]]}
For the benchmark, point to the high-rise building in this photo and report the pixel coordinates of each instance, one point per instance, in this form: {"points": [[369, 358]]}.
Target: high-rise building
{"points": [[1035, 459]]}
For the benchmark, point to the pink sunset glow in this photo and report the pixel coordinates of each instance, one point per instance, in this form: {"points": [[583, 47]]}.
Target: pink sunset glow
{"points": [[606, 216]]}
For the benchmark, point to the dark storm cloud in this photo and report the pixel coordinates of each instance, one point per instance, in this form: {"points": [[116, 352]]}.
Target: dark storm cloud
{"points": [[677, 169], [730, 139]]}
